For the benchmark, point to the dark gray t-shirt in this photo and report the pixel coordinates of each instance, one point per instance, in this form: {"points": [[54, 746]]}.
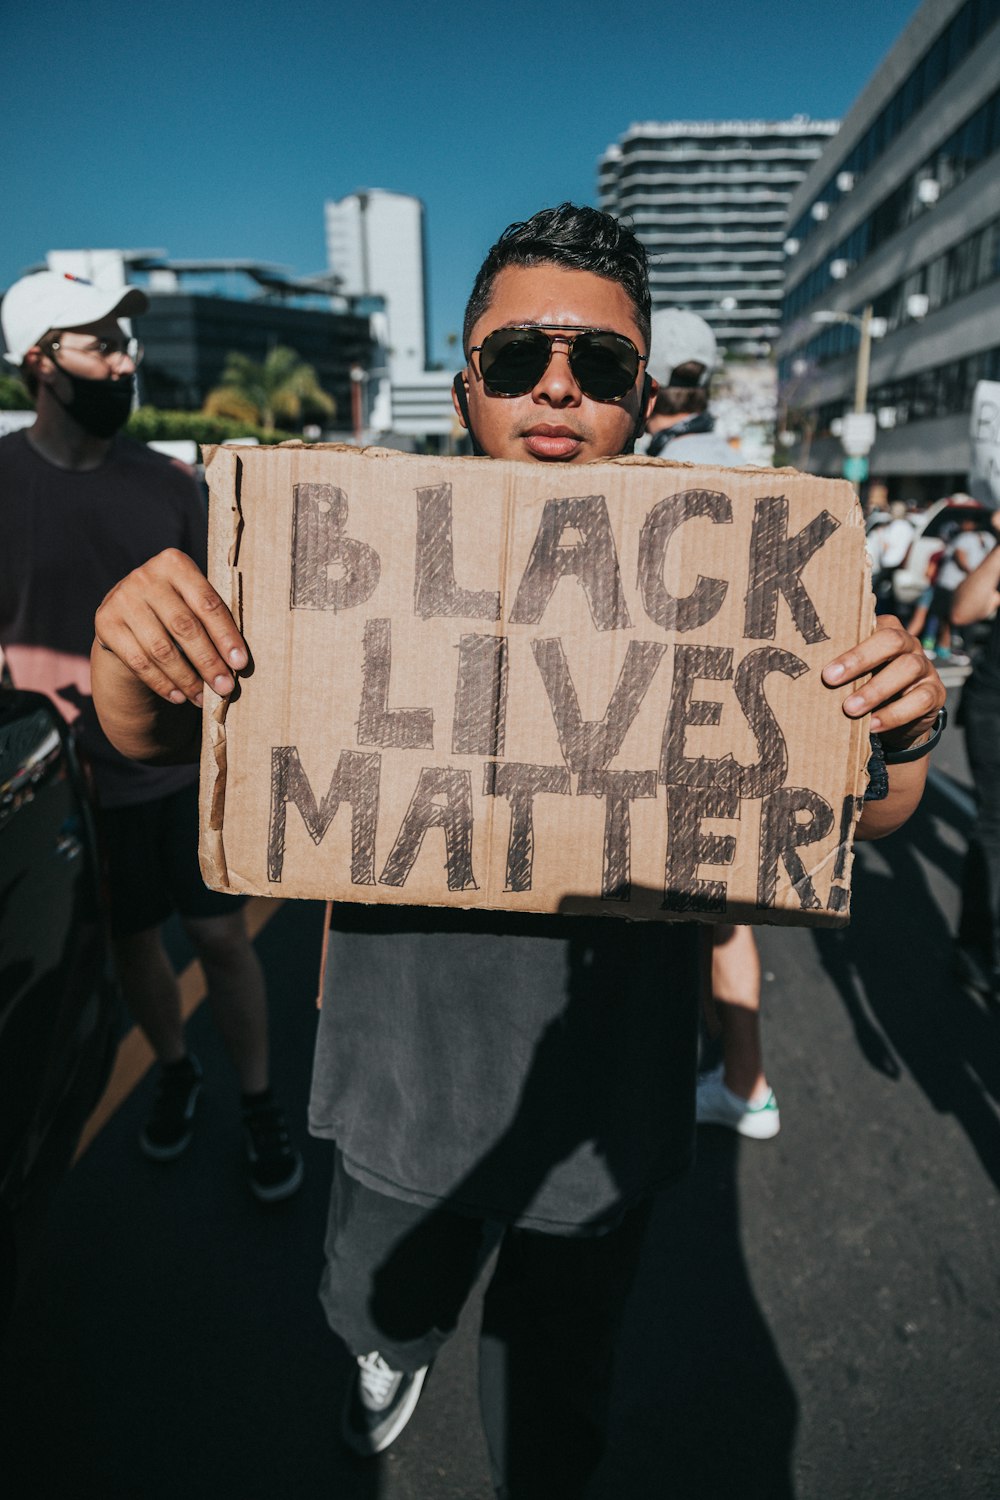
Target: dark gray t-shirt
{"points": [[66, 538], [536, 1070]]}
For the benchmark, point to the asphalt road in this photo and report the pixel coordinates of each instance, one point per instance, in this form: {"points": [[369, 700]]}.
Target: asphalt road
{"points": [[816, 1316]]}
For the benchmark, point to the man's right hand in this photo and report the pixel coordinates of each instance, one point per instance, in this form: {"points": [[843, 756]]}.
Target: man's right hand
{"points": [[168, 626]]}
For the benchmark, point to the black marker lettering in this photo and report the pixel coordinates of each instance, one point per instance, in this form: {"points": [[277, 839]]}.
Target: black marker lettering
{"points": [[619, 789], [594, 744], [769, 772], [776, 560], [781, 835], [705, 599], [688, 847], [676, 769], [378, 724], [356, 781], [435, 591], [480, 696], [329, 570], [594, 560], [443, 799], [519, 783]]}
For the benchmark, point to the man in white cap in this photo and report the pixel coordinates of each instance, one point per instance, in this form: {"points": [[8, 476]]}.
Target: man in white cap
{"points": [[78, 504], [683, 356]]}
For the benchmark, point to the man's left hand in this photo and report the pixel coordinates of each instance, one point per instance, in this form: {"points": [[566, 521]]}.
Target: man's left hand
{"points": [[905, 692]]}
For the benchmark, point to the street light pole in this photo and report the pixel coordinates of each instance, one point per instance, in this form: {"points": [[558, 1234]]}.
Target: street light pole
{"points": [[864, 359]]}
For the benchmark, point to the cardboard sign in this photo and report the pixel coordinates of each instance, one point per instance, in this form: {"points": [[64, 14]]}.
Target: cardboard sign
{"points": [[984, 465], [535, 687]]}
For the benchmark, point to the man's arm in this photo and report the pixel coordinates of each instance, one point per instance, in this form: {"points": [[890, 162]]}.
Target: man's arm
{"points": [[162, 634], [904, 695], [978, 595]]}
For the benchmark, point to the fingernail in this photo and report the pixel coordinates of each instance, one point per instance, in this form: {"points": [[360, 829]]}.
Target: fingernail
{"points": [[855, 703], [876, 725], [177, 696], [834, 673], [238, 657], [198, 699], [223, 683]]}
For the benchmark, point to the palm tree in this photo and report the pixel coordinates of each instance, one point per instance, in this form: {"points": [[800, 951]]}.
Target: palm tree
{"points": [[279, 389]]}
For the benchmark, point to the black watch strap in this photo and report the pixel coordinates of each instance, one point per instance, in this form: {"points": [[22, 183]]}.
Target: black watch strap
{"points": [[917, 752]]}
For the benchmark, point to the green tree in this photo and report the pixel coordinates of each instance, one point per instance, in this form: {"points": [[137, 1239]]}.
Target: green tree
{"points": [[14, 395], [283, 388]]}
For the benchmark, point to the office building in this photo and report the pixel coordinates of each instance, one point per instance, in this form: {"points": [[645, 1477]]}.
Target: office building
{"points": [[375, 248], [201, 311], [901, 215], [709, 201]]}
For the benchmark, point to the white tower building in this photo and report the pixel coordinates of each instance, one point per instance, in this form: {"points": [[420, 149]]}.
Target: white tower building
{"points": [[375, 244]]}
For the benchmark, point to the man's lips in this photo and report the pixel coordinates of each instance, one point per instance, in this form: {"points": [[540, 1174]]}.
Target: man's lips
{"points": [[548, 440]]}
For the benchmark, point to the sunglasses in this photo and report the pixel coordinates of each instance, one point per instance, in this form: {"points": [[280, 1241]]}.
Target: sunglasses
{"points": [[513, 360]]}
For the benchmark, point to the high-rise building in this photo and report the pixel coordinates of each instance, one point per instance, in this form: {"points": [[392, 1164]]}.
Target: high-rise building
{"points": [[897, 227], [375, 247], [709, 200]]}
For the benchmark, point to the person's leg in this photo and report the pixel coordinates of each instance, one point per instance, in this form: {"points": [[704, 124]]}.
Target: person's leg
{"points": [[151, 994], [396, 1278], [236, 993], [736, 1094], [551, 1317], [979, 923], [736, 993], [149, 989]]}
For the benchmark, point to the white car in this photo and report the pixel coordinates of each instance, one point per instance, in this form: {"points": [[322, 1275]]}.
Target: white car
{"points": [[933, 529]]}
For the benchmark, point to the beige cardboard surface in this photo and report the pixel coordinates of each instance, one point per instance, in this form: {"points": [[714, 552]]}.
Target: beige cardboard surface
{"points": [[535, 687]]}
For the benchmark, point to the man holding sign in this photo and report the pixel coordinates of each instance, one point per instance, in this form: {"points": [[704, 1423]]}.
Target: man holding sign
{"points": [[496, 1080]]}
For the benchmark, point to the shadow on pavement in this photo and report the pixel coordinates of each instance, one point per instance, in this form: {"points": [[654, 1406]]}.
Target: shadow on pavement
{"points": [[703, 1406], [891, 968]]}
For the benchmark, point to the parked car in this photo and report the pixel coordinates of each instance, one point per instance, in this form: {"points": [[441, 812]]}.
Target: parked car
{"points": [[933, 530], [58, 1002]]}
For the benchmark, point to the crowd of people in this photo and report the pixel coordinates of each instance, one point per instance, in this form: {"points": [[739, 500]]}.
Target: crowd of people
{"points": [[500, 1106]]}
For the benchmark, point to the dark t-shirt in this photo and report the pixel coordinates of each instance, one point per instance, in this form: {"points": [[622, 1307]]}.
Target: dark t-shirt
{"points": [[65, 539], [536, 1070]]}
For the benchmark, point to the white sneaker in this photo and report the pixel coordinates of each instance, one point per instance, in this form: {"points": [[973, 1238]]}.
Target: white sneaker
{"points": [[718, 1105], [379, 1404]]}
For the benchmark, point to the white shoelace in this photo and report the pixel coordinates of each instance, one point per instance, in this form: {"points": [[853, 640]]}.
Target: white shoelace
{"points": [[376, 1378]]}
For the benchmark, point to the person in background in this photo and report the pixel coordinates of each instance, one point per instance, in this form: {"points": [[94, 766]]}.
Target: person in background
{"points": [[977, 945], [888, 546], [79, 503], [962, 556], [682, 359]]}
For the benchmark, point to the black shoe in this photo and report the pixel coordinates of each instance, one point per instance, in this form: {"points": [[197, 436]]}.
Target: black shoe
{"points": [[380, 1403], [170, 1126], [275, 1166]]}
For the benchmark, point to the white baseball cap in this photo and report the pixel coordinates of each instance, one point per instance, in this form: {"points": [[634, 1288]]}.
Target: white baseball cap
{"points": [[53, 299], [680, 338]]}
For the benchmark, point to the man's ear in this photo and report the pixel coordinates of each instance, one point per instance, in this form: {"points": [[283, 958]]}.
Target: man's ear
{"points": [[650, 391], [460, 398], [40, 364]]}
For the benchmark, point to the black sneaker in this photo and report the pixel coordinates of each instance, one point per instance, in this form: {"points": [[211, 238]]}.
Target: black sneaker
{"points": [[380, 1403], [275, 1165], [170, 1126]]}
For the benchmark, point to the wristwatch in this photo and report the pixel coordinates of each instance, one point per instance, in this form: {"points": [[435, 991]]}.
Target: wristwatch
{"points": [[917, 752]]}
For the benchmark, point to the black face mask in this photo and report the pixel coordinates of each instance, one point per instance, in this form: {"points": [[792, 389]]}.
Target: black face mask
{"points": [[101, 407]]}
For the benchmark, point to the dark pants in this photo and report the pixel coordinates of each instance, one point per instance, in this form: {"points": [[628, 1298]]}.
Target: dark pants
{"points": [[398, 1275], [979, 925]]}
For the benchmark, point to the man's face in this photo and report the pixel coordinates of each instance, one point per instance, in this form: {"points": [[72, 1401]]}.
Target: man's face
{"points": [[95, 351], [555, 422]]}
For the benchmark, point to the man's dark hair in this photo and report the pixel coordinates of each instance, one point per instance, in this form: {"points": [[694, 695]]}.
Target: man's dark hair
{"points": [[579, 238]]}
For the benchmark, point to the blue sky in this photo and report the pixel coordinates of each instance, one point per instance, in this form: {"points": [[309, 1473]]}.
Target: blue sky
{"points": [[220, 129]]}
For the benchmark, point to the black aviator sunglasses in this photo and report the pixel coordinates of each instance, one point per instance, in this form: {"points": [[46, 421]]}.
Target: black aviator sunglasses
{"points": [[513, 360]]}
